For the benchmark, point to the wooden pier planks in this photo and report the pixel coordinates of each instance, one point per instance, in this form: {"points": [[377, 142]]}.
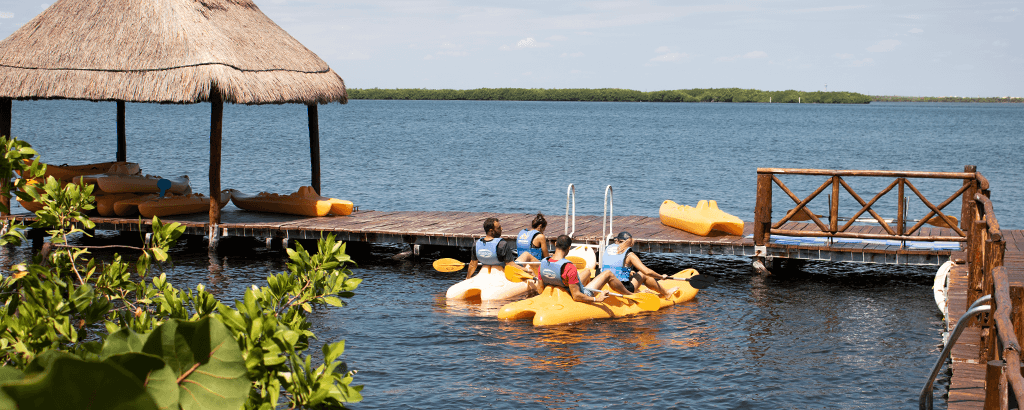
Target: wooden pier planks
{"points": [[459, 228]]}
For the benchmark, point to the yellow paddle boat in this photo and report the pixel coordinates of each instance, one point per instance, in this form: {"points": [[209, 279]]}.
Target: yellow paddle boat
{"points": [[555, 306], [700, 220]]}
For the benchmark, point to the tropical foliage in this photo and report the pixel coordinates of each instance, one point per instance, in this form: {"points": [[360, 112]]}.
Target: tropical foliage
{"points": [[80, 333], [611, 94]]}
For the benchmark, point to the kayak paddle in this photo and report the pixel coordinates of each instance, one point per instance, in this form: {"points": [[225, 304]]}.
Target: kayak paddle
{"points": [[696, 281]]}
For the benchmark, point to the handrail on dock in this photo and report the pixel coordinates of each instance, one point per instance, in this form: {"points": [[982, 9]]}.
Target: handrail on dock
{"points": [[768, 178]]}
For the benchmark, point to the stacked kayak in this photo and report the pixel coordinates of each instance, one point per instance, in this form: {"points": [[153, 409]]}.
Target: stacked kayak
{"points": [[179, 204], [700, 220], [126, 183], [67, 172], [555, 305], [489, 283], [305, 202]]}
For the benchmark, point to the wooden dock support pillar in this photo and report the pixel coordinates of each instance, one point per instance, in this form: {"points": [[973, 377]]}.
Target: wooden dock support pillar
{"points": [[762, 222], [5, 130], [216, 122], [995, 385], [314, 146], [968, 206], [122, 142]]}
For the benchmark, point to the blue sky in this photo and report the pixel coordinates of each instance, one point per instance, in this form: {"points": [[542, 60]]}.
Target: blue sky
{"points": [[911, 47]]}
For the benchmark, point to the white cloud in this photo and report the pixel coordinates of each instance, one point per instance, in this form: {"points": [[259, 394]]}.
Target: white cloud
{"points": [[528, 42], [661, 49], [573, 55], [748, 56], [669, 57], [884, 46], [6, 15], [916, 31]]}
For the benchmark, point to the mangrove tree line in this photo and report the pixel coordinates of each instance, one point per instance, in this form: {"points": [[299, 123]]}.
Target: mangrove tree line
{"points": [[611, 94]]}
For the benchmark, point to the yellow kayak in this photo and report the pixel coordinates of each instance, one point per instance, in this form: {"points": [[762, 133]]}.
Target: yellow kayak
{"points": [[179, 204], [555, 305], [67, 172], [700, 220], [105, 203], [305, 202]]}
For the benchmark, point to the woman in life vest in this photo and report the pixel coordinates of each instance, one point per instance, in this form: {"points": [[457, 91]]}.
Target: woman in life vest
{"points": [[532, 241], [620, 260], [558, 271], [491, 251]]}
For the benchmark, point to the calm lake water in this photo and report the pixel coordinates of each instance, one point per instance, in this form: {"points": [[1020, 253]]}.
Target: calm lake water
{"points": [[818, 336]]}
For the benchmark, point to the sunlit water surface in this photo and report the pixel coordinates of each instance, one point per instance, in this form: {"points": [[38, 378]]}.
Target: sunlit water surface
{"points": [[818, 335]]}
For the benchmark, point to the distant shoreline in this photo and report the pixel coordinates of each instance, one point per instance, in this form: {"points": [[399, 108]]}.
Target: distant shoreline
{"points": [[899, 98], [611, 95], [738, 95]]}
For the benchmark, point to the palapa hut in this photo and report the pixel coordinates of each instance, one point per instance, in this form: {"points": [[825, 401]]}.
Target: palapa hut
{"points": [[165, 51]]}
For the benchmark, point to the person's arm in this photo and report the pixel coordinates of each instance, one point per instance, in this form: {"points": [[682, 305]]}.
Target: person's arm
{"points": [[543, 244], [471, 269], [634, 261], [579, 296]]}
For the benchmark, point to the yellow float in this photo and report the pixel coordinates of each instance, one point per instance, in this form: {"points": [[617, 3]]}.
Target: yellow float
{"points": [[700, 220], [305, 202], [555, 306]]}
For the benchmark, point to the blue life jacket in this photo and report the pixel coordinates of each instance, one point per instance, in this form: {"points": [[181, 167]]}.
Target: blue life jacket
{"points": [[487, 252], [616, 262], [524, 243], [551, 272]]}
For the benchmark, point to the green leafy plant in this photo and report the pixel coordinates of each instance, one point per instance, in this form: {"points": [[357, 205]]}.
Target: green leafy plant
{"points": [[75, 329]]}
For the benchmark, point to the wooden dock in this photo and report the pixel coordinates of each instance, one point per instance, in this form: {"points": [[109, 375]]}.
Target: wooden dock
{"points": [[967, 386], [463, 228]]}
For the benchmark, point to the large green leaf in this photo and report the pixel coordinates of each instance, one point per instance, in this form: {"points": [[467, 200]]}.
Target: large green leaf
{"points": [[206, 362], [74, 384], [158, 379]]}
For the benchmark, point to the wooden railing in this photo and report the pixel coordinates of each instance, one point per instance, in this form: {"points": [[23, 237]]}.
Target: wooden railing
{"points": [[767, 178], [1000, 335]]}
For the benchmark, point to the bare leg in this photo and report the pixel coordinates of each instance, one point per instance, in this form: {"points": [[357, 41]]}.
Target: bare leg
{"points": [[653, 284], [607, 277]]}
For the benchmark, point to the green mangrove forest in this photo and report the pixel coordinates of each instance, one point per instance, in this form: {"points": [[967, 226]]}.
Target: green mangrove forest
{"points": [[612, 94], [901, 98]]}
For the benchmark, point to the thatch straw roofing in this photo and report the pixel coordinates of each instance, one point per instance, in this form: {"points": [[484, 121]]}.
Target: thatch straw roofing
{"points": [[169, 51]]}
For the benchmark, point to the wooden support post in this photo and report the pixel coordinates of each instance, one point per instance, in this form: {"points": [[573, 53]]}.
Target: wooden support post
{"points": [[968, 199], [900, 207], [763, 210], [122, 142], [995, 383], [216, 122], [1017, 310], [976, 258], [314, 146], [833, 206], [5, 130]]}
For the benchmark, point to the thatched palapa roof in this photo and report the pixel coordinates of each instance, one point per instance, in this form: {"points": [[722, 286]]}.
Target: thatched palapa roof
{"points": [[169, 51]]}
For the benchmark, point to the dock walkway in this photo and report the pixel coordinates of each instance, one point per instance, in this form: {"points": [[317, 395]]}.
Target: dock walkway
{"points": [[462, 228]]}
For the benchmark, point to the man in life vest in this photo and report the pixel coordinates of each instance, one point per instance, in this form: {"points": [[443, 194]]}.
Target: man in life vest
{"points": [[558, 271], [533, 241], [620, 260], [491, 251]]}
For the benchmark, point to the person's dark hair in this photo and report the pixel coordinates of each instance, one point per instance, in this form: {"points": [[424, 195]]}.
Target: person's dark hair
{"points": [[563, 242], [489, 224], [539, 221]]}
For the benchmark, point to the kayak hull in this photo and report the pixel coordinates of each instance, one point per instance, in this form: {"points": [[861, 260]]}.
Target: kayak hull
{"points": [[304, 202], [117, 183], [67, 172], [555, 306], [105, 203], [488, 284], [700, 220], [179, 205]]}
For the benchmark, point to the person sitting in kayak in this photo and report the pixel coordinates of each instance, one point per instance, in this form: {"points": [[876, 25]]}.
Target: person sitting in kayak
{"points": [[620, 260], [558, 271], [491, 251], [533, 241]]}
